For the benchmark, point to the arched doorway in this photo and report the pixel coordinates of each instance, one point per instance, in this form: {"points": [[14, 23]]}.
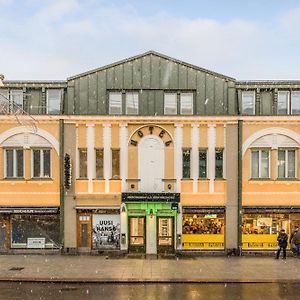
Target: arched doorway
{"points": [[151, 163]]}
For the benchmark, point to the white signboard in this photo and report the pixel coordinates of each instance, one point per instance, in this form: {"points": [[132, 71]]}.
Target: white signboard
{"points": [[261, 222], [106, 231], [37, 243]]}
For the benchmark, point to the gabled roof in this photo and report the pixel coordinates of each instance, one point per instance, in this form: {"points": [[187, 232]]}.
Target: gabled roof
{"points": [[156, 54]]}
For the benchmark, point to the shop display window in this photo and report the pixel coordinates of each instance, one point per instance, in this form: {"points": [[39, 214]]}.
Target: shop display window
{"points": [[35, 231], [203, 224]]}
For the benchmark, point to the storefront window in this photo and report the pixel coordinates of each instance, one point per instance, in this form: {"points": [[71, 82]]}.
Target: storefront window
{"points": [[35, 231]]}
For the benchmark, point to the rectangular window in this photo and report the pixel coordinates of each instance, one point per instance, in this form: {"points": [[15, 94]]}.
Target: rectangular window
{"points": [[295, 103], [170, 104], [186, 163], [115, 103], [248, 103], [260, 164], [219, 163], [186, 103], [4, 101], [53, 101], [115, 154], [283, 103], [132, 103], [14, 163], [99, 163], [41, 163], [16, 98], [82, 163], [286, 163], [202, 163]]}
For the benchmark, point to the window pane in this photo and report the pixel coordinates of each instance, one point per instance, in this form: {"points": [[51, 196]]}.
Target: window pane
{"points": [[264, 164], [170, 102], [9, 163], [53, 101], [282, 106], [99, 163], [254, 164], [83, 163], [19, 161], [186, 163], [115, 163], [16, 97], [115, 103], [47, 164], [219, 163], [281, 163], [202, 163], [248, 103], [4, 101], [186, 104], [36, 163], [291, 164], [295, 103], [132, 103]]}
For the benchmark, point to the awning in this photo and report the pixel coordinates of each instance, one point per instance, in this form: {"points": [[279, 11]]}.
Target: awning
{"points": [[203, 209], [271, 209], [29, 210]]}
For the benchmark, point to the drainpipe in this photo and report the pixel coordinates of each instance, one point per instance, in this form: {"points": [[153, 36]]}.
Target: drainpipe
{"points": [[240, 174], [62, 190]]}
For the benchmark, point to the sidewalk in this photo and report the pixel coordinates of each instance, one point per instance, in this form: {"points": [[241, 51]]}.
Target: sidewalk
{"points": [[59, 268]]}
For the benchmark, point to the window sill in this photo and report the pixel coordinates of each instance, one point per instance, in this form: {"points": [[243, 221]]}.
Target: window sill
{"points": [[41, 179], [220, 179], [187, 179], [260, 179], [203, 179], [82, 178], [287, 179], [115, 179], [14, 179], [100, 178]]}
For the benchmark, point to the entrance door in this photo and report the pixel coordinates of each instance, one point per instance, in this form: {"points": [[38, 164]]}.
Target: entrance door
{"points": [[165, 234], [84, 238], [151, 164], [4, 234], [137, 240]]}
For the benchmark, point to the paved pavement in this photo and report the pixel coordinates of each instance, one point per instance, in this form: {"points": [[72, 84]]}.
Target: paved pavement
{"points": [[59, 268]]}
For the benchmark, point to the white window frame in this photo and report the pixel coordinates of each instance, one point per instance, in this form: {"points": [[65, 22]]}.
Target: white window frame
{"points": [[288, 101], [15, 171], [192, 103], [131, 94], [47, 100], [41, 162], [176, 103], [253, 97], [286, 167], [109, 106], [291, 98], [259, 163]]}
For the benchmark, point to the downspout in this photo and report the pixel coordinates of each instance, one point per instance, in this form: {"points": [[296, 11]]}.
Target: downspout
{"points": [[62, 190], [240, 180]]}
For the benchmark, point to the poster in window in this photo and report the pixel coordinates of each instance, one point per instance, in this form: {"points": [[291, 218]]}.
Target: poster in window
{"points": [[106, 231], [264, 222]]}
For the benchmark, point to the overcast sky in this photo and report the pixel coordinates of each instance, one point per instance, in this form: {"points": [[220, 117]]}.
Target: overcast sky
{"points": [[55, 39]]}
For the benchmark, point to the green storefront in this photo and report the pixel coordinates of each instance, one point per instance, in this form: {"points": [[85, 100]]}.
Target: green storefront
{"points": [[151, 221]]}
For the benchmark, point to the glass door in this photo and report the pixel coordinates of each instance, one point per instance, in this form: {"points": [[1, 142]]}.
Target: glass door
{"points": [[84, 238], [165, 230], [137, 234]]}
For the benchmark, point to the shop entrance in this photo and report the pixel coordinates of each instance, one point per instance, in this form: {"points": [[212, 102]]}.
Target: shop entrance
{"points": [[84, 239], [137, 240], [165, 234], [4, 234]]}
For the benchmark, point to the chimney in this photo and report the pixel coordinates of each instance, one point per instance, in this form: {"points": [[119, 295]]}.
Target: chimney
{"points": [[1, 79]]}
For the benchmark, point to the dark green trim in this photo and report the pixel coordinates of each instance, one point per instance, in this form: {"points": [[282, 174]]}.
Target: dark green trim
{"points": [[62, 190], [239, 210]]}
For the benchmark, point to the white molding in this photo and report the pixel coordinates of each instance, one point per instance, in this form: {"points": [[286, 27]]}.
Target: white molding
{"points": [[24, 130], [211, 138], [123, 155], [178, 156], [270, 131], [195, 156], [91, 163], [107, 155]]}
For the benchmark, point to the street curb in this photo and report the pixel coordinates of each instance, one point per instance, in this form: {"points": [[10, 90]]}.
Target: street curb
{"points": [[148, 281]]}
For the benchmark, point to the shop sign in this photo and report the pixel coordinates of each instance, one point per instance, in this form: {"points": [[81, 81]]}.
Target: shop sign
{"points": [[210, 216], [37, 243], [150, 197], [27, 210], [264, 222], [106, 231]]}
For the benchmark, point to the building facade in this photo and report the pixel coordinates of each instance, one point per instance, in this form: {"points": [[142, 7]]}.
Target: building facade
{"points": [[149, 155]]}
